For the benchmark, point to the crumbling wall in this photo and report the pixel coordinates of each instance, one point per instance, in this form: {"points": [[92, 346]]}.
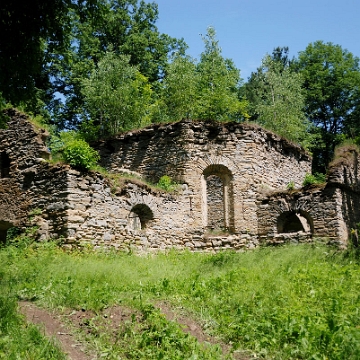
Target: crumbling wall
{"points": [[248, 157], [320, 207], [21, 150], [101, 216]]}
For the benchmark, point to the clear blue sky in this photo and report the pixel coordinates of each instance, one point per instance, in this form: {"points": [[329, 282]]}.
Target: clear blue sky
{"points": [[248, 29]]}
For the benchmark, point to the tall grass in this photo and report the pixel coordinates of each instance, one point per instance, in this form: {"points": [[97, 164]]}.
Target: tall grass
{"points": [[293, 302]]}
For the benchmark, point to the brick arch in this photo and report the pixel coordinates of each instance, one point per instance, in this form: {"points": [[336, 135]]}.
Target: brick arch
{"points": [[199, 165], [217, 197]]}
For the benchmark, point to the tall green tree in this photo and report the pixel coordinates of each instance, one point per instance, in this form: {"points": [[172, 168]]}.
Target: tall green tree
{"points": [[331, 80], [281, 103], [126, 27], [117, 97], [219, 82], [30, 32], [179, 91], [255, 87]]}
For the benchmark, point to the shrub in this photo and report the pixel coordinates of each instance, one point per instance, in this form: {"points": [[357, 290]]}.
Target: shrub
{"points": [[80, 154], [290, 185], [166, 183], [74, 150], [314, 179]]}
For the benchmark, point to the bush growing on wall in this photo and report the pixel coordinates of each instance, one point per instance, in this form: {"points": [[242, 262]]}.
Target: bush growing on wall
{"points": [[75, 151], [314, 179]]}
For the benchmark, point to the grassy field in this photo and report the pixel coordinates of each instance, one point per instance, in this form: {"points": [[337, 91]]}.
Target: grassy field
{"points": [[291, 302]]}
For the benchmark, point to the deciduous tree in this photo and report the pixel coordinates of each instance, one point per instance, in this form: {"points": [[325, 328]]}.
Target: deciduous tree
{"points": [[331, 79]]}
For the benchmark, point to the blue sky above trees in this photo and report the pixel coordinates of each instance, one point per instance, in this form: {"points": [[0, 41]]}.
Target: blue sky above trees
{"points": [[248, 29]]}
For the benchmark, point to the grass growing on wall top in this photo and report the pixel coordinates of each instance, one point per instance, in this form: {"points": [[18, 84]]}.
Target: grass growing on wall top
{"points": [[293, 302]]}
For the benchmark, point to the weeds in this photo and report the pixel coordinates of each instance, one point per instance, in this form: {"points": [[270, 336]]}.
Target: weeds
{"points": [[293, 302]]}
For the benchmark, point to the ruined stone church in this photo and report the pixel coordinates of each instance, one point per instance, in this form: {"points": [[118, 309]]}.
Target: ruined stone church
{"points": [[232, 190]]}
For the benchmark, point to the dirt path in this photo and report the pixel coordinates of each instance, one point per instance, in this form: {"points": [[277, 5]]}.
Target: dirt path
{"points": [[55, 329], [112, 318]]}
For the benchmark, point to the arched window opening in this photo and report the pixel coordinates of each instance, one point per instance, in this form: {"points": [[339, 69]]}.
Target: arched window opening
{"points": [[4, 165], [294, 221], [139, 217], [217, 198]]}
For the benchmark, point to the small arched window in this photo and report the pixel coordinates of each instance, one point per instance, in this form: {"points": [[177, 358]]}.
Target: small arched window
{"points": [[139, 217], [4, 165]]}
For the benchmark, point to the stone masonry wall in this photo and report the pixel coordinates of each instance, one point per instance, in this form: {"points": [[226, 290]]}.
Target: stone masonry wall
{"points": [[22, 149], [251, 158], [98, 216], [320, 206]]}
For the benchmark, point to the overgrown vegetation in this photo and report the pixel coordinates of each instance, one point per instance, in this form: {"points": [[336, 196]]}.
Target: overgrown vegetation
{"points": [[314, 179], [291, 302]]}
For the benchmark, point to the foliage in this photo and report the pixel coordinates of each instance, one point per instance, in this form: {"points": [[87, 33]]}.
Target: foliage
{"points": [[117, 96], [331, 79], [219, 81], [126, 28], [179, 89], [292, 302], [74, 150], [255, 87], [314, 179], [36, 29], [290, 185], [166, 183], [280, 105]]}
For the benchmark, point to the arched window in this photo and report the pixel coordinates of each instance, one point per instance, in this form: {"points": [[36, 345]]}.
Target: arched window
{"points": [[139, 217], [294, 221], [217, 197], [4, 165]]}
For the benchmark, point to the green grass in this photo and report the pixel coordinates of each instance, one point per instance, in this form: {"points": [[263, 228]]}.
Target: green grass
{"points": [[19, 340], [291, 302]]}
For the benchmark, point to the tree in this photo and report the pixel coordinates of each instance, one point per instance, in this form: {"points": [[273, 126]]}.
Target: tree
{"points": [[331, 79], [179, 90], [281, 103], [126, 27], [219, 81], [117, 97], [255, 86], [29, 32]]}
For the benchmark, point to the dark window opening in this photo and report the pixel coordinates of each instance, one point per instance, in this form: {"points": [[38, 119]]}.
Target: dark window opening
{"points": [[4, 227], [4, 165], [139, 217], [291, 221]]}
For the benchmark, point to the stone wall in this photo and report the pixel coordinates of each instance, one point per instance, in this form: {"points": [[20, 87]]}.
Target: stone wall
{"points": [[248, 158], [224, 172], [319, 207], [22, 149]]}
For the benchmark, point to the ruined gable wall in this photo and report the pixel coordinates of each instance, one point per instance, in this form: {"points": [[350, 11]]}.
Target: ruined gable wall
{"points": [[256, 159]]}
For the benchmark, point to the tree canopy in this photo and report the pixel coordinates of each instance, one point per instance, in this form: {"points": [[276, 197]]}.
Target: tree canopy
{"points": [[102, 66]]}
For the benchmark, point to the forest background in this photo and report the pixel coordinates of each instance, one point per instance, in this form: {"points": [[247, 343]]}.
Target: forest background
{"points": [[100, 67]]}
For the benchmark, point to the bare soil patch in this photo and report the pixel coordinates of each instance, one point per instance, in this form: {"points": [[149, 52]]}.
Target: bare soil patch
{"points": [[112, 320], [53, 327]]}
